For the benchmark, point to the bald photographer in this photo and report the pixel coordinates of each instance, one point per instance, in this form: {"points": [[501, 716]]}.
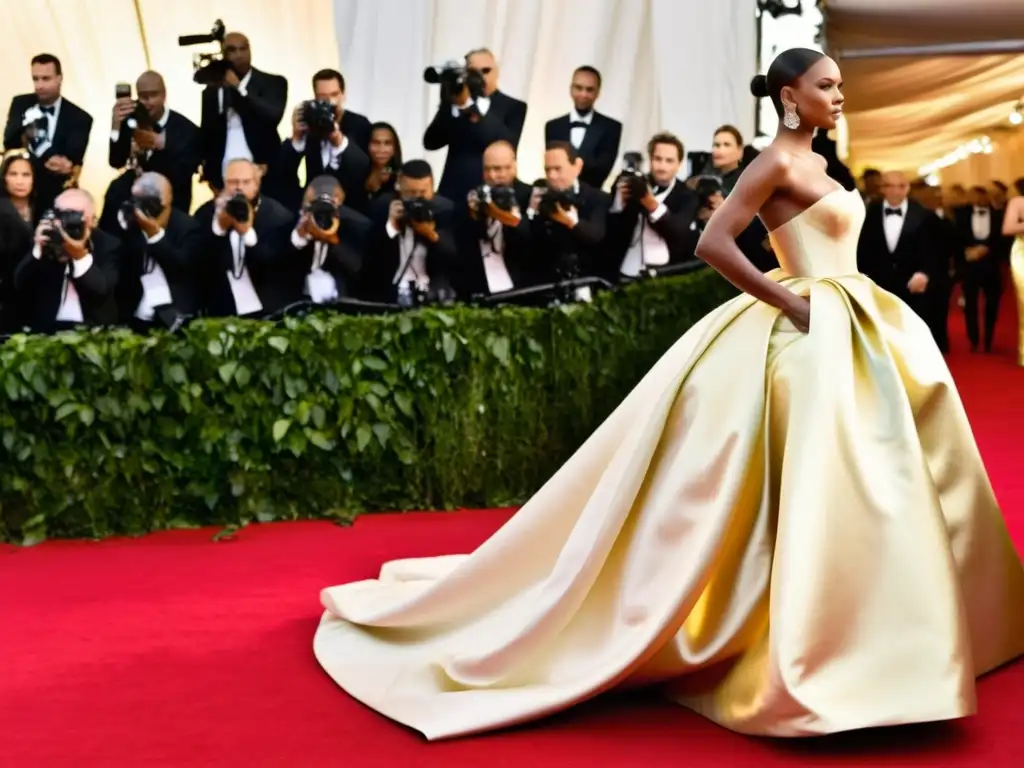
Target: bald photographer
{"points": [[70, 276], [473, 114]]}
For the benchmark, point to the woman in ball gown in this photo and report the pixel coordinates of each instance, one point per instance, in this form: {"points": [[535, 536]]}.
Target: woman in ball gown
{"points": [[1013, 226], [786, 526]]}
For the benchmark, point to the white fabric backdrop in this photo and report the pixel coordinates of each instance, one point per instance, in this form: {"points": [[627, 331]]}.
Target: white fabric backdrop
{"points": [[679, 65]]}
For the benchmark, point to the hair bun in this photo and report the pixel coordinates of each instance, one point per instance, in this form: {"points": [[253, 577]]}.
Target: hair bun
{"points": [[759, 86]]}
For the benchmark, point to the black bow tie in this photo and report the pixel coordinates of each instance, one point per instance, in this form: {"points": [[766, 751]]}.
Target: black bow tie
{"points": [[893, 212], [659, 189], [578, 124], [48, 110], [981, 211]]}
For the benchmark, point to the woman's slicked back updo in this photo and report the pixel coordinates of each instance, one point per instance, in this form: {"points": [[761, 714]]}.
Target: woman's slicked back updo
{"points": [[784, 70]]}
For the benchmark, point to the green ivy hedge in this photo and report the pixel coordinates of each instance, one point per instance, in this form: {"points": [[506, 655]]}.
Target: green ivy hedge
{"points": [[329, 416]]}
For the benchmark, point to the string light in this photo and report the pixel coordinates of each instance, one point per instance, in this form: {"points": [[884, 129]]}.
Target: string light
{"points": [[979, 146]]}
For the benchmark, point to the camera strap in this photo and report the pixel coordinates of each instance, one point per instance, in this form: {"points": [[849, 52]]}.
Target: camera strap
{"points": [[237, 255]]}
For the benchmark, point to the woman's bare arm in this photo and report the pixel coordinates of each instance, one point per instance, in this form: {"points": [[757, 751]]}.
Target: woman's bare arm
{"points": [[717, 246], [1013, 219]]}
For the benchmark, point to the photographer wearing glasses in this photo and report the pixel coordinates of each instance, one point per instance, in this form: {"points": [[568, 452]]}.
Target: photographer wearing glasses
{"points": [[651, 214], [328, 254], [69, 278], [411, 249], [473, 114], [159, 282]]}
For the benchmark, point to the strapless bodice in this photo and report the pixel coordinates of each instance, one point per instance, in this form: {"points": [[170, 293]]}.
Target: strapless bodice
{"points": [[822, 240]]}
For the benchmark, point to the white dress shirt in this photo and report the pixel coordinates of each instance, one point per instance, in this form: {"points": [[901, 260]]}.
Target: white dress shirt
{"points": [[247, 301], [321, 287], [412, 258], [70, 309], [577, 134], [647, 248], [981, 223], [330, 155], [40, 147], [893, 225], [235, 146], [156, 291], [483, 104], [492, 251]]}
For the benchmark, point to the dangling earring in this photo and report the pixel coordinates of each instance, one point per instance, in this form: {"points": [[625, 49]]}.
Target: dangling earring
{"points": [[790, 118]]}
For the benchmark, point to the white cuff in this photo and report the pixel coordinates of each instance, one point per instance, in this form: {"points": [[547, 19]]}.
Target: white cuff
{"points": [[115, 135], [336, 152], [617, 206], [80, 266], [250, 240], [241, 89], [298, 241], [660, 211], [217, 230], [299, 146], [390, 229], [37, 252], [157, 237], [574, 215], [456, 110]]}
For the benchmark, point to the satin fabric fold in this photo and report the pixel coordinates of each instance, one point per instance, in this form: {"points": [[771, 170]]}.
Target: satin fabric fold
{"points": [[792, 533], [1017, 273]]}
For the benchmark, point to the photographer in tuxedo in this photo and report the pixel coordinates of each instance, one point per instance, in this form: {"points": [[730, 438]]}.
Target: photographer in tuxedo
{"points": [[650, 216], [159, 279], [473, 114], [898, 249], [567, 218], [54, 130], [70, 276], [146, 136], [979, 230], [595, 136], [240, 114], [330, 140], [494, 242], [328, 254], [248, 269], [411, 251]]}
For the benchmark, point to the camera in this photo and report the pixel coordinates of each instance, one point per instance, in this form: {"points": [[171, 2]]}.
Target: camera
{"points": [[237, 207], [503, 198], [148, 205], [453, 77], [633, 175], [73, 224], [706, 188], [319, 116], [417, 211], [322, 210], [140, 118], [555, 197], [208, 68]]}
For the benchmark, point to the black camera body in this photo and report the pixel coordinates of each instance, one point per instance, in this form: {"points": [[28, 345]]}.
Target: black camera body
{"points": [[237, 207], [503, 198], [141, 118], [323, 210], [416, 210], [319, 116], [453, 77], [150, 206], [73, 224], [551, 198], [706, 188], [633, 175], [208, 68]]}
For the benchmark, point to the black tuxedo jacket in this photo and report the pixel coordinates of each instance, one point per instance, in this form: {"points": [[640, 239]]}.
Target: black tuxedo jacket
{"points": [[177, 161], [353, 168], [358, 129], [274, 273], [916, 250], [178, 253], [559, 251], [673, 227], [600, 147], [70, 140], [383, 253], [260, 110], [40, 285], [962, 221], [342, 261], [466, 141], [470, 278]]}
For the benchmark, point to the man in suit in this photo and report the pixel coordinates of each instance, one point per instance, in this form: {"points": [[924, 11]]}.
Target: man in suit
{"points": [[468, 124], [159, 281], [897, 247], [595, 136], [168, 145], [248, 271], [55, 131], [650, 230], [240, 115], [341, 153], [567, 238], [979, 229], [494, 241], [411, 250], [74, 283]]}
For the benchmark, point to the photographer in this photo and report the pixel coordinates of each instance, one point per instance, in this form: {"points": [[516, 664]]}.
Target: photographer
{"points": [[328, 260], [69, 278], [650, 217], [147, 136], [494, 243], [159, 282], [567, 218], [240, 114], [473, 114], [330, 140], [246, 252], [411, 249]]}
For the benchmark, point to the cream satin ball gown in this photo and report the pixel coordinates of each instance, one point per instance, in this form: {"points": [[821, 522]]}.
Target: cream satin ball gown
{"points": [[793, 533]]}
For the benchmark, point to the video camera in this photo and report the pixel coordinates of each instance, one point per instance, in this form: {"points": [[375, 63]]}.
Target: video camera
{"points": [[73, 224], [633, 175], [150, 206], [319, 115], [416, 210], [208, 68], [453, 77], [323, 210], [503, 198]]}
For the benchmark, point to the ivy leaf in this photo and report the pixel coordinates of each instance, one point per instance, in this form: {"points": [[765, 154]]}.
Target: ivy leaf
{"points": [[243, 376], [227, 371], [280, 343], [66, 410], [281, 427], [363, 435], [87, 415], [383, 432], [319, 416], [450, 346], [374, 363], [215, 348], [404, 402], [500, 349]]}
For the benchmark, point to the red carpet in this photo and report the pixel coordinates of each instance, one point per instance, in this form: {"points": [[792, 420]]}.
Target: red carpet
{"points": [[173, 650]]}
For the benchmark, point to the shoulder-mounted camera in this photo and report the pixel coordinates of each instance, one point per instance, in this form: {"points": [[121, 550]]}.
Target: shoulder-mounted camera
{"points": [[208, 68], [453, 77]]}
